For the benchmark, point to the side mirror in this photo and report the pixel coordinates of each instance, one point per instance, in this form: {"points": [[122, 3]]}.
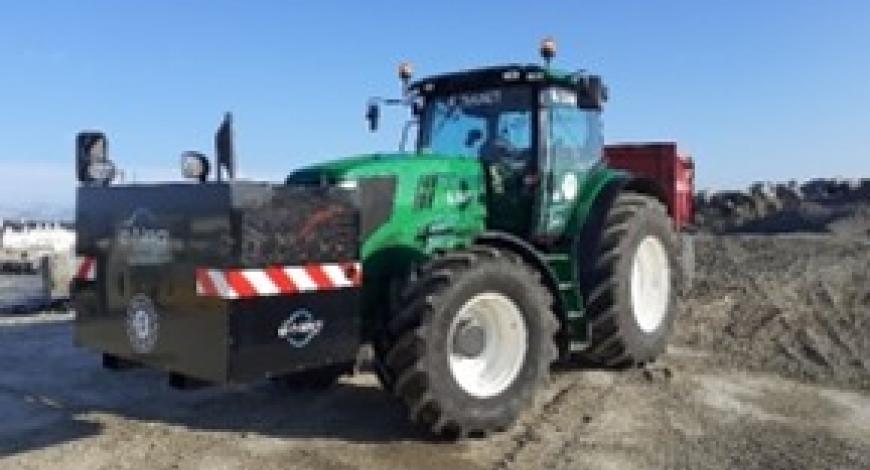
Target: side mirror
{"points": [[373, 115], [597, 90], [593, 92], [92, 158]]}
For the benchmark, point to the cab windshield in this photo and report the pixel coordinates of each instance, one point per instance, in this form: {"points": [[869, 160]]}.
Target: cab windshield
{"points": [[488, 124]]}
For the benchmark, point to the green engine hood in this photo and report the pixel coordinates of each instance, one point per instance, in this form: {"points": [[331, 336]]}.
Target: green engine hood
{"points": [[381, 164], [419, 202]]}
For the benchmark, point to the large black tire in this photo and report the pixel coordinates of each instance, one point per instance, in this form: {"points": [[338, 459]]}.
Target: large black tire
{"points": [[418, 344], [622, 332]]}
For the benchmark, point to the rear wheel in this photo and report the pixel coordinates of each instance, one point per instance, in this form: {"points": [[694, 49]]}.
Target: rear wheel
{"points": [[473, 340], [630, 284]]}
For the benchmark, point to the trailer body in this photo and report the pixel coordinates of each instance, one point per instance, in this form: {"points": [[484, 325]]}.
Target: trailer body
{"points": [[663, 163]]}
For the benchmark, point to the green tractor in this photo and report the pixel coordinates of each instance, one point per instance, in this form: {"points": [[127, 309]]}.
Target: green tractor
{"points": [[501, 244]]}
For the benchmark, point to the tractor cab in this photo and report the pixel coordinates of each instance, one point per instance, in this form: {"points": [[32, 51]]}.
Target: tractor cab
{"points": [[536, 131]]}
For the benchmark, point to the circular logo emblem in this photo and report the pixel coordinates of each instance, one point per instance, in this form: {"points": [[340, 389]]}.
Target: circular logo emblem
{"points": [[569, 186], [300, 328], [142, 324]]}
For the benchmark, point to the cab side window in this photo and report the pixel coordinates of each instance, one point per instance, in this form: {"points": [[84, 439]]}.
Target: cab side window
{"points": [[574, 137]]}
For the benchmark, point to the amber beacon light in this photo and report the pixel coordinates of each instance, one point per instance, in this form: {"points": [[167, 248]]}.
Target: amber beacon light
{"points": [[548, 49]]}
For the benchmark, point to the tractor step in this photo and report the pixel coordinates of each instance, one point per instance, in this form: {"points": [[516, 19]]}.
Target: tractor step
{"points": [[561, 265], [563, 268], [574, 314]]}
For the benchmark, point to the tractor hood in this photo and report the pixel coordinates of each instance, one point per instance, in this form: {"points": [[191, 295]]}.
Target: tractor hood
{"points": [[381, 164], [410, 203]]}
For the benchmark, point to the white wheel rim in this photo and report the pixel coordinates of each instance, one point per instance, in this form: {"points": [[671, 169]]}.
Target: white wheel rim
{"points": [[504, 346], [650, 284]]}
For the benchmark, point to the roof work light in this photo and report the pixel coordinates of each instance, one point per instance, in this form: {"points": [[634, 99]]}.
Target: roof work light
{"points": [[548, 49]]}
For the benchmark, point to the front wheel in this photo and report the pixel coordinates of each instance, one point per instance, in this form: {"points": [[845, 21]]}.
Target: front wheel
{"points": [[630, 283], [474, 341]]}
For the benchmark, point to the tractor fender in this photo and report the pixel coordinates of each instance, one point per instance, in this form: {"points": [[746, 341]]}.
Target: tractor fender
{"points": [[530, 255], [644, 185]]}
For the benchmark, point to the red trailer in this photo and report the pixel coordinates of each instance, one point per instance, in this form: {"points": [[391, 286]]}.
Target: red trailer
{"points": [[660, 161]]}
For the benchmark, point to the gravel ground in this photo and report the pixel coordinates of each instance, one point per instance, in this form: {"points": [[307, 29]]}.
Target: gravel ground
{"points": [[768, 369]]}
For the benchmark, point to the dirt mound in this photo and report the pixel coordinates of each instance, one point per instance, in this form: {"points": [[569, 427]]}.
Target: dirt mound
{"points": [[798, 306], [818, 206]]}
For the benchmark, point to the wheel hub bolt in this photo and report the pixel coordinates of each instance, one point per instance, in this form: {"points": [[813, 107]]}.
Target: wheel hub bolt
{"points": [[469, 340]]}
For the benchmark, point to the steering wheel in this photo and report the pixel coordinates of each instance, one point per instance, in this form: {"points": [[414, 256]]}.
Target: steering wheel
{"points": [[501, 151]]}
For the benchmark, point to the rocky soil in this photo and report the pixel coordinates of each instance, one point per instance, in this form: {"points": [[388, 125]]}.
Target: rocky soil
{"points": [[831, 206], [769, 368], [796, 305]]}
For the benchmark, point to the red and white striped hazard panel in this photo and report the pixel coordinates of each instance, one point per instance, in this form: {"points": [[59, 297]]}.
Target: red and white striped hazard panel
{"points": [[85, 268], [276, 280]]}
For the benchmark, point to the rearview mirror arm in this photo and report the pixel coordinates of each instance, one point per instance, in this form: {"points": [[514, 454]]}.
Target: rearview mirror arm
{"points": [[405, 131], [375, 102]]}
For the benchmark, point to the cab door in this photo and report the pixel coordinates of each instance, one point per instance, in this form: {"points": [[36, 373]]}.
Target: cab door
{"points": [[508, 163], [570, 144]]}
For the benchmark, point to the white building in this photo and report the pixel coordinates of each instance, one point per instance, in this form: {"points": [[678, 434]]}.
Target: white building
{"points": [[54, 237]]}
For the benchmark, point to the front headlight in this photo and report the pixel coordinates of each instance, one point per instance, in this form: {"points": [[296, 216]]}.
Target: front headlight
{"points": [[104, 171], [194, 165]]}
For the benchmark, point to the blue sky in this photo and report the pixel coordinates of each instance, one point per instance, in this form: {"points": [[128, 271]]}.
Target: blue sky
{"points": [[754, 90]]}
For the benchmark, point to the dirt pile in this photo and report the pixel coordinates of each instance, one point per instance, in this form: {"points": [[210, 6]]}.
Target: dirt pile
{"points": [[795, 305], [822, 206]]}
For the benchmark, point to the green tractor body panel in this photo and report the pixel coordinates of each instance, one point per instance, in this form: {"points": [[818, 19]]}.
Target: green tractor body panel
{"points": [[437, 200], [593, 183], [426, 203], [411, 206]]}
